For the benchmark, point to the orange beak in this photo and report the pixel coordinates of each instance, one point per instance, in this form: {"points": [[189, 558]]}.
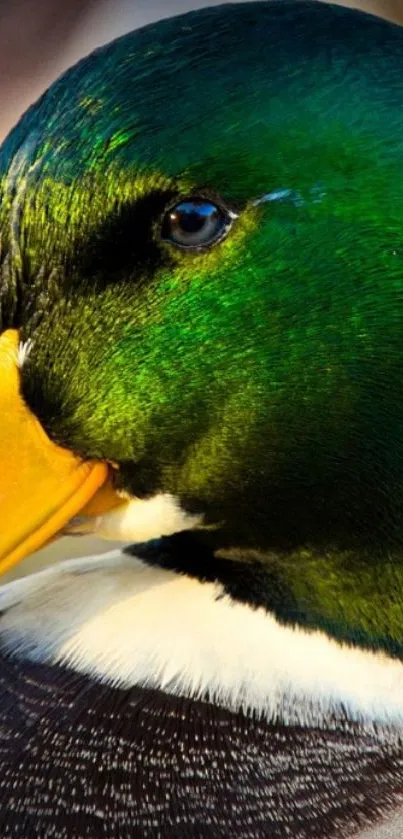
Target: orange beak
{"points": [[42, 486]]}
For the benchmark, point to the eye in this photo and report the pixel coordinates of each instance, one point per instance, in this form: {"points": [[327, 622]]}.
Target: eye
{"points": [[195, 223]]}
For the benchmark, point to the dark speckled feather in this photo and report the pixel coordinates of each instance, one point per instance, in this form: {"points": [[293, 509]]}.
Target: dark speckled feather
{"points": [[81, 761]]}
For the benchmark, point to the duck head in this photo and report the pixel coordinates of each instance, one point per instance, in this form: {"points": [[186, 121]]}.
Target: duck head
{"points": [[201, 255]]}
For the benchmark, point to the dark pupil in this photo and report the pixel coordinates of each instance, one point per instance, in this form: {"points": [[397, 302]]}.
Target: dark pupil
{"points": [[191, 218], [191, 222]]}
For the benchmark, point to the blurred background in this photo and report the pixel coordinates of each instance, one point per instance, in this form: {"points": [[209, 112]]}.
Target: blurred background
{"points": [[39, 39]]}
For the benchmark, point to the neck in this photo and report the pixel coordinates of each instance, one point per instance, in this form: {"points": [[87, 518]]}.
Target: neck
{"points": [[355, 596], [128, 623]]}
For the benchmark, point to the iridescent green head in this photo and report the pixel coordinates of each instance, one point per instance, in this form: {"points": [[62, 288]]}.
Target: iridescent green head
{"points": [[257, 372]]}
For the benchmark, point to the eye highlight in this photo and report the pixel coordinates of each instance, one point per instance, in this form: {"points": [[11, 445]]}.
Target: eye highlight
{"points": [[195, 223]]}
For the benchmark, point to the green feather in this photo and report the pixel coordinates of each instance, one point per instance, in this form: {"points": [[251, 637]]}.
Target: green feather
{"points": [[261, 380]]}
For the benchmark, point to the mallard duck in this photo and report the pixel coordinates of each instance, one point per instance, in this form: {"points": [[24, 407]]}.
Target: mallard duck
{"points": [[201, 354]]}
